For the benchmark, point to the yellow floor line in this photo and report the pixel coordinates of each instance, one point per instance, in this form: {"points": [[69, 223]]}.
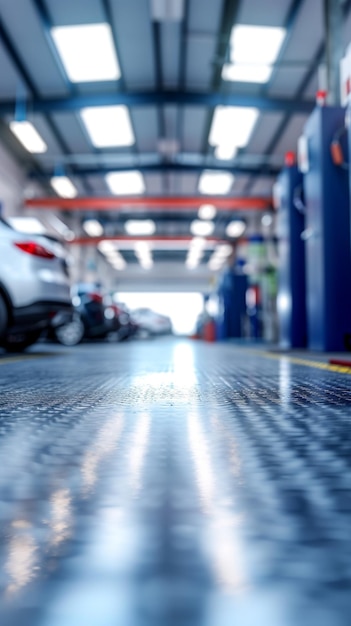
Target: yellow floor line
{"points": [[341, 369]]}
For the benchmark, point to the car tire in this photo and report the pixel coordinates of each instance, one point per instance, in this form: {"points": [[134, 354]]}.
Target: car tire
{"points": [[72, 333], [3, 316], [19, 341]]}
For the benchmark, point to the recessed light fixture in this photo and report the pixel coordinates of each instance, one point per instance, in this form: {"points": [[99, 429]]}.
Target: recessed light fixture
{"points": [[140, 227], [108, 126], [27, 225], [201, 228], [235, 228], [93, 228], [87, 52], [225, 153], [63, 186], [253, 50], [266, 220], [29, 137], [231, 129], [125, 183], [212, 183], [207, 212]]}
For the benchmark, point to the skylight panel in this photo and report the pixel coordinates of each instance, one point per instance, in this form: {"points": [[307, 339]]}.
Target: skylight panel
{"points": [[108, 126], [253, 51], [63, 186], [140, 227], [255, 44], [212, 183], [247, 73], [125, 183], [29, 137], [87, 52], [231, 128]]}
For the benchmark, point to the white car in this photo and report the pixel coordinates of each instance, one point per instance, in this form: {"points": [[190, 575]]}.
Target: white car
{"points": [[151, 323], [34, 287]]}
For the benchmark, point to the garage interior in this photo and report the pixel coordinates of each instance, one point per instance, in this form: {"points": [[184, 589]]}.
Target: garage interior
{"points": [[191, 157]]}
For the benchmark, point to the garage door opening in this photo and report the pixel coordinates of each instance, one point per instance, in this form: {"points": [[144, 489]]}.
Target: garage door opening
{"points": [[182, 308]]}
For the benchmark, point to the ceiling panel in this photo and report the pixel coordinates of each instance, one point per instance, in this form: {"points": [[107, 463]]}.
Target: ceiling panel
{"points": [[66, 12], [201, 51], [98, 185], [132, 25], [287, 80], [188, 184], [262, 186], [170, 114], [72, 132], [170, 42], [267, 13], [312, 88], [205, 15], [194, 121], [240, 184], [154, 184], [10, 79], [291, 134], [307, 33], [265, 128], [146, 123], [28, 35]]}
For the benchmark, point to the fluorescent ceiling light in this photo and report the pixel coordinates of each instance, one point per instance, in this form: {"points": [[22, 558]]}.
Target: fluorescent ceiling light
{"points": [[93, 228], [225, 153], [108, 126], [232, 126], [87, 52], [29, 137], [207, 212], [253, 50], [140, 227], [235, 228], [27, 225], [63, 186], [247, 73], [146, 263], [124, 183], [142, 247], [202, 228], [198, 242], [118, 264], [192, 263], [107, 246], [255, 44], [266, 220], [215, 182], [223, 250], [167, 10]]}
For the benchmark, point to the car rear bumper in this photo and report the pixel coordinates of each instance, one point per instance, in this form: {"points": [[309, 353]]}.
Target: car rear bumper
{"points": [[40, 315]]}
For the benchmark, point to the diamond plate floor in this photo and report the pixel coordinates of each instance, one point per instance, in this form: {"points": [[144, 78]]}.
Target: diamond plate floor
{"points": [[173, 483]]}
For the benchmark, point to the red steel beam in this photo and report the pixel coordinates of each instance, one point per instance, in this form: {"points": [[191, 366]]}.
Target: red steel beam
{"points": [[156, 203]]}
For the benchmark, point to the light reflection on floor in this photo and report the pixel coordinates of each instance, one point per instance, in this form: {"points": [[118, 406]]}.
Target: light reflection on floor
{"points": [[176, 484]]}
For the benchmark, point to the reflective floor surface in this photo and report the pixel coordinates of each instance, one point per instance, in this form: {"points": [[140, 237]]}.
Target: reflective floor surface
{"points": [[173, 483]]}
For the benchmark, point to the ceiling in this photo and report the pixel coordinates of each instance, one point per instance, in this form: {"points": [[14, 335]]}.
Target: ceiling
{"points": [[171, 82]]}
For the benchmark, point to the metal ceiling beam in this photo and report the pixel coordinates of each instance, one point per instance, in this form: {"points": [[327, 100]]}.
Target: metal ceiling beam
{"points": [[158, 203], [189, 168], [79, 101], [158, 242]]}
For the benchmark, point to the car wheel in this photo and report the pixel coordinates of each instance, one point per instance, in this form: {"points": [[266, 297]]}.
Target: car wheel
{"points": [[19, 341], [3, 316], [72, 333]]}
